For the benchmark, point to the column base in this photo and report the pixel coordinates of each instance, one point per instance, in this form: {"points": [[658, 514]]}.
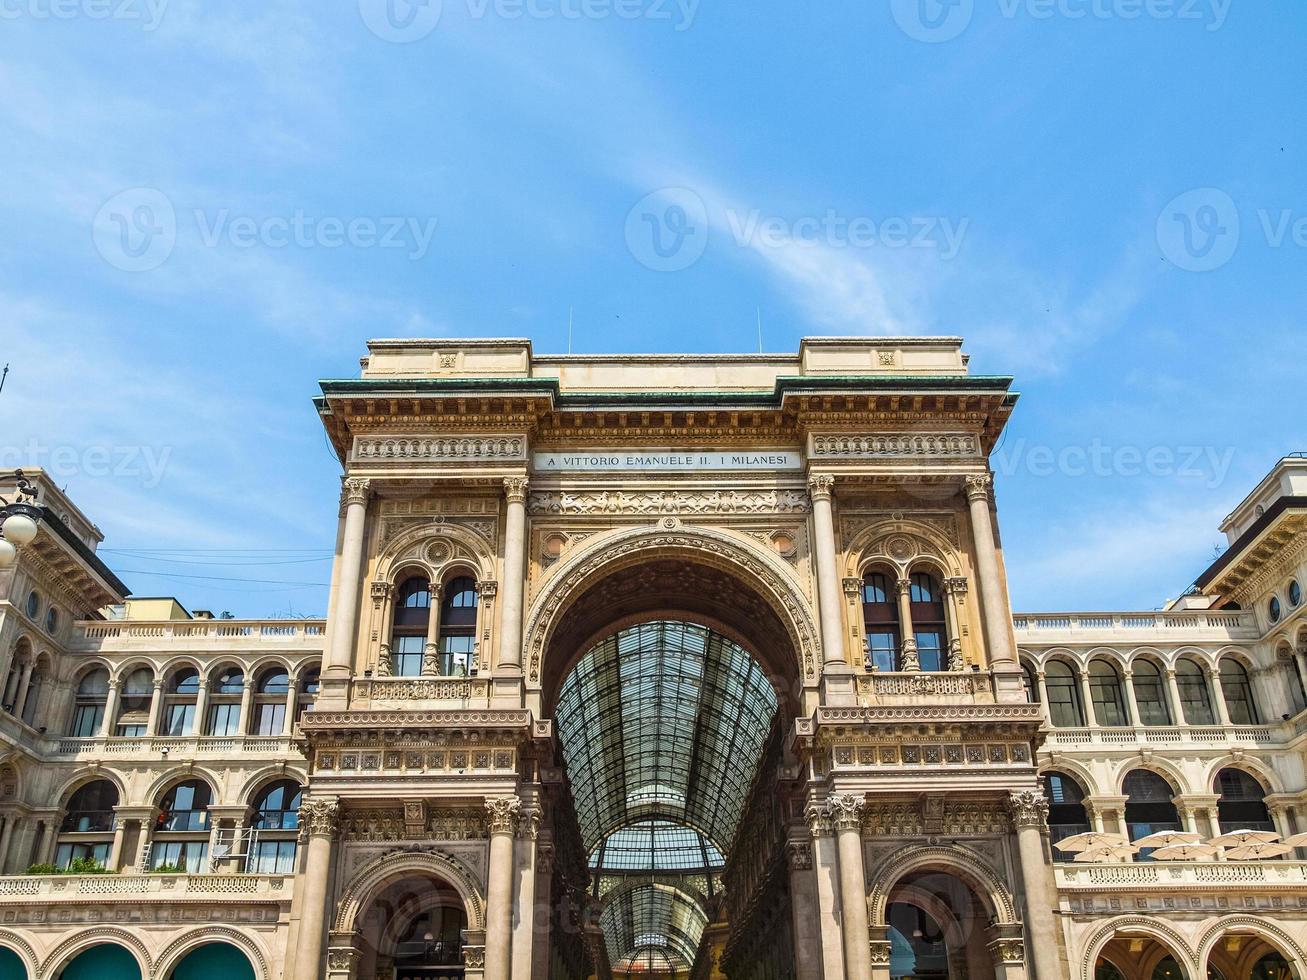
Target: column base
{"points": [[506, 691], [839, 686]]}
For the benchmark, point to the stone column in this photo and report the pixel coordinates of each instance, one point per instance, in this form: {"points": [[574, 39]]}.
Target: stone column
{"points": [[319, 827], [431, 648], [201, 705], [156, 708], [1177, 706], [247, 702], [292, 701], [528, 830], [820, 488], [803, 909], [880, 955], [908, 659], [510, 606], [826, 872], [1218, 696], [5, 834], [1131, 705], [993, 600], [954, 590], [344, 614], [119, 832], [1087, 698], [1029, 813], [24, 683], [845, 812], [110, 709], [1042, 680], [504, 811]]}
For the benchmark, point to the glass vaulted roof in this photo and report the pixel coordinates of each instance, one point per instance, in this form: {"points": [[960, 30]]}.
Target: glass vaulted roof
{"points": [[652, 927], [663, 720]]}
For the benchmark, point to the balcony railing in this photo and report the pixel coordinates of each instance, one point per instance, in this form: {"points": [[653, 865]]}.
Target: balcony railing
{"points": [[144, 887], [175, 746], [234, 633], [1189, 624], [916, 687], [1184, 874], [1174, 736]]}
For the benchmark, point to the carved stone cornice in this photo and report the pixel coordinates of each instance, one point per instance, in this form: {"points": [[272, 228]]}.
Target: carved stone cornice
{"points": [[845, 810], [978, 487], [504, 813], [821, 486], [319, 818], [444, 449], [924, 445], [515, 488], [1028, 809]]}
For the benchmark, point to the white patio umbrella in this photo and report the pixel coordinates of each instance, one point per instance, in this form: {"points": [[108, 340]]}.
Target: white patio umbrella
{"points": [[1184, 852], [1090, 838], [1255, 851], [1234, 838], [1168, 838], [1296, 840], [1105, 853]]}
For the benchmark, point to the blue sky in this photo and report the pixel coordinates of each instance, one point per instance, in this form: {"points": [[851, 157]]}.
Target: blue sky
{"points": [[209, 206]]}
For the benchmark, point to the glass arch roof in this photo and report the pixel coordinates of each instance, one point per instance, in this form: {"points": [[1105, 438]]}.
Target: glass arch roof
{"points": [[656, 845], [663, 720], [652, 925]]}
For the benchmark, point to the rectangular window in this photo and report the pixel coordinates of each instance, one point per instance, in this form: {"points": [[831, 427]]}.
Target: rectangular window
{"points": [[1108, 709], [456, 654], [930, 649], [407, 655], [273, 857], [224, 719], [272, 719], [180, 720], [86, 723], [190, 856], [131, 731], [882, 649], [1063, 711], [66, 854], [1151, 700]]}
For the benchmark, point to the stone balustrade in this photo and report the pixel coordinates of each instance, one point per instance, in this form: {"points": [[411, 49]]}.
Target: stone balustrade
{"points": [[402, 692], [1193, 625], [228, 635], [235, 747], [1175, 736], [916, 687], [1200, 875], [147, 887]]}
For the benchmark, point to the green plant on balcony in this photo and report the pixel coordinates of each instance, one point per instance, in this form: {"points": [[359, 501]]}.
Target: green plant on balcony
{"points": [[42, 869], [168, 869], [85, 866]]}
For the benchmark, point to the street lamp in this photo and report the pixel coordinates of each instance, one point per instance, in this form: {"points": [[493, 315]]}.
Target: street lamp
{"points": [[18, 520]]}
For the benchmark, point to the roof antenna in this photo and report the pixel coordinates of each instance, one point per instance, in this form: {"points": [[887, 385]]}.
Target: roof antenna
{"points": [[3, 376], [760, 330], [569, 330]]}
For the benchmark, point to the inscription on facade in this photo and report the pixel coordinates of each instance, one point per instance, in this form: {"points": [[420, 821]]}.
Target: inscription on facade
{"points": [[670, 461]]}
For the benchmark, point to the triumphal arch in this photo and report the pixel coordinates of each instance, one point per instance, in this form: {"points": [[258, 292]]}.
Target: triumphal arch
{"points": [[669, 666]]}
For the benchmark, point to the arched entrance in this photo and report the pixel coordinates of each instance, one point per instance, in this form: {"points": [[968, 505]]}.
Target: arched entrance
{"points": [[106, 961], [213, 960], [11, 965], [1246, 949], [669, 671], [1137, 948], [938, 928]]}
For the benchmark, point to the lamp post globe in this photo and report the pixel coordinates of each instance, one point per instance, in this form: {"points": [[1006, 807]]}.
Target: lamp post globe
{"points": [[19, 529], [8, 553]]}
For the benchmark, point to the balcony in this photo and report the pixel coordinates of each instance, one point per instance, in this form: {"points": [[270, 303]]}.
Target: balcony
{"points": [[234, 747], [1186, 626], [23, 889], [199, 635], [1196, 875], [1175, 736]]}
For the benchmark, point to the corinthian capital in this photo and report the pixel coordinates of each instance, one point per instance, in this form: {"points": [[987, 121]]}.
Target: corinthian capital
{"points": [[818, 822], [978, 487], [1027, 809], [504, 812], [354, 490], [319, 818], [515, 489], [820, 486], [845, 811]]}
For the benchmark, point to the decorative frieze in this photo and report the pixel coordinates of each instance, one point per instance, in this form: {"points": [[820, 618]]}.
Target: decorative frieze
{"points": [[925, 445], [382, 824], [440, 449], [621, 502]]}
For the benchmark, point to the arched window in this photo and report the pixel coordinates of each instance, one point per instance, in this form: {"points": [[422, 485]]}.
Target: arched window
{"points": [[1242, 805], [1029, 683], [1238, 693], [310, 680], [134, 703], [1148, 806], [179, 703], [88, 713], [270, 701], [1105, 689], [1150, 694], [274, 823], [880, 614], [458, 626], [181, 836], [35, 684], [928, 624], [1194, 696], [86, 833], [408, 633], [225, 690], [1066, 810], [1064, 708]]}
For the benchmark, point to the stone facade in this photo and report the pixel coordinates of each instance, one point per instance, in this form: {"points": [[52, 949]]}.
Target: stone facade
{"points": [[399, 790]]}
